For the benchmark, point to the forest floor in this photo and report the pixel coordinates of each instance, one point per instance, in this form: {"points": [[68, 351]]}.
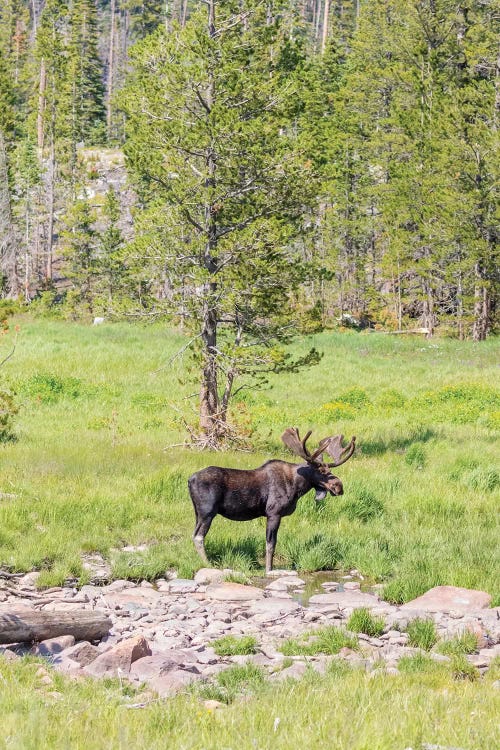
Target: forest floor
{"points": [[93, 473]]}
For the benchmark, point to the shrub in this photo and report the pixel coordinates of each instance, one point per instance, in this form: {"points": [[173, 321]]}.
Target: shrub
{"points": [[48, 388], [231, 645], [356, 397], [465, 643], [416, 456], [391, 399], [362, 621], [8, 411], [422, 633]]}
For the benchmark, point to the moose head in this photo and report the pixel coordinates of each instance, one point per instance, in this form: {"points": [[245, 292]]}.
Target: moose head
{"points": [[326, 482]]}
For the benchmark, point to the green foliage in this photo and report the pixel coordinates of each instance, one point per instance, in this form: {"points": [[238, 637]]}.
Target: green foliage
{"points": [[48, 388], [422, 633], [328, 640], [355, 397], [416, 456], [230, 181], [462, 669], [231, 645], [8, 412], [465, 643], [362, 621]]}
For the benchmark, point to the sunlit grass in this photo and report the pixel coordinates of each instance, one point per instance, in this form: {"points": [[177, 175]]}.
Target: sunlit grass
{"points": [[94, 469], [345, 709]]}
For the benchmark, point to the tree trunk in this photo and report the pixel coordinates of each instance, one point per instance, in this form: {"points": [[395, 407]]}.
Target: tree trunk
{"points": [[482, 303], [25, 625], [428, 308], [8, 258], [209, 396], [41, 105], [50, 208], [324, 37], [111, 65]]}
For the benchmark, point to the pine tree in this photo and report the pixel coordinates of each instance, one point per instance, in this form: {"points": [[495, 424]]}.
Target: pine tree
{"points": [[212, 140], [80, 251], [85, 74]]}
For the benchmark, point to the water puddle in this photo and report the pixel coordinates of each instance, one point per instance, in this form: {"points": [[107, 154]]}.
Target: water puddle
{"points": [[319, 582]]}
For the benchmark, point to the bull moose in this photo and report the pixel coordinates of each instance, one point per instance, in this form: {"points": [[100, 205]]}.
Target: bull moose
{"points": [[272, 490]]}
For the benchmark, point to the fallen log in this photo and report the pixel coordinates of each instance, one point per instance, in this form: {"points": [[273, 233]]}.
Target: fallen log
{"points": [[27, 626]]}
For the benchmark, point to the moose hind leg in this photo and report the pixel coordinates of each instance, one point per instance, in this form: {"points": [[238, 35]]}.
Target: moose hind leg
{"points": [[272, 527], [200, 532]]}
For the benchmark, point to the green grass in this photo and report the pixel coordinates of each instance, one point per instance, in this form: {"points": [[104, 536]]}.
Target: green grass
{"points": [[362, 621], [422, 633], [327, 640], [345, 710], [234, 682], [93, 468], [231, 645], [465, 643]]}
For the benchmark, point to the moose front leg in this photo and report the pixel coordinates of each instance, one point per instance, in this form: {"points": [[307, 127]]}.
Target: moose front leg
{"points": [[272, 526]]}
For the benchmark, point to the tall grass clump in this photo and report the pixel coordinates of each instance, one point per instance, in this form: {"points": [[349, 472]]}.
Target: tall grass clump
{"points": [[422, 633], [231, 645], [327, 640], [465, 643], [362, 621]]}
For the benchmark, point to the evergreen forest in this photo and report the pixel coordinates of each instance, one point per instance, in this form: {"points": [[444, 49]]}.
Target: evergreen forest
{"points": [[250, 169]]}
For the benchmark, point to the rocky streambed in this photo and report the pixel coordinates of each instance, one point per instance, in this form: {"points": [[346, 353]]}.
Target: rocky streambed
{"points": [[162, 634]]}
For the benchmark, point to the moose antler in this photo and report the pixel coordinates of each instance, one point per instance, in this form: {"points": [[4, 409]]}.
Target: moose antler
{"points": [[331, 445], [292, 440]]}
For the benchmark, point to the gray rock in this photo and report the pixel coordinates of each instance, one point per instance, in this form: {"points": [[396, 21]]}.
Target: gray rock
{"points": [[83, 653], [53, 646], [118, 659], [345, 599], [294, 672], [182, 586], [449, 599], [234, 592], [209, 575], [172, 682], [148, 667]]}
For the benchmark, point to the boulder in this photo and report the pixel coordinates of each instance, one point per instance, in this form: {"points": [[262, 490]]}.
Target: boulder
{"points": [[53, 646], [446, 598], [118, 659], [209, 575], [172, 682], [84, 653], [345, 599], [233, 592]]}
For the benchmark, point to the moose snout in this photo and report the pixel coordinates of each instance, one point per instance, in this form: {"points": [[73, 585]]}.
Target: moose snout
{"points": [[335, 488]]}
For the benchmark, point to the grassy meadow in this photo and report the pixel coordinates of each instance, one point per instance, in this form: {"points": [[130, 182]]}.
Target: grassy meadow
{"points": [[344, 710], [93, 469]]}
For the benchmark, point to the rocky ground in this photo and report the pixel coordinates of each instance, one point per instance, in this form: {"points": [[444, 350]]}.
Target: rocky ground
{"points": [[162, 633]]}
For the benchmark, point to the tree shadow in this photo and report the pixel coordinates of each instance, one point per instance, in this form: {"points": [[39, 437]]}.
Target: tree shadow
{"points": [[400, 443], [251, 549]]}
